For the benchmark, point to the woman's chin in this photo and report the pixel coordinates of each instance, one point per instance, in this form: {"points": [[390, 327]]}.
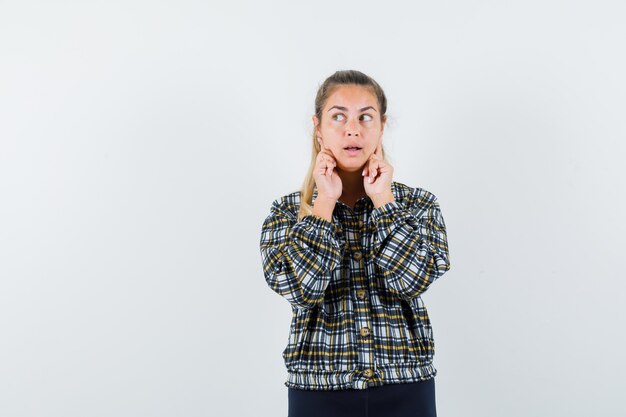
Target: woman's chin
{"points": [[351, 166]]}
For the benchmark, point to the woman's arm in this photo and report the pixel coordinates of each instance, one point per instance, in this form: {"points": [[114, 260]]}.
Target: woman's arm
{"points": [[298, 257], [410, 245]]}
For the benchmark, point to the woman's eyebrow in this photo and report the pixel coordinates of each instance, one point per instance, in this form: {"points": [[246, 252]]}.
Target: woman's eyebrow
{"points": [[345, 108]]}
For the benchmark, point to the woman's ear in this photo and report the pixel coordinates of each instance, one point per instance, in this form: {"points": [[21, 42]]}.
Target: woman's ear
{"points": [[316, 123]]}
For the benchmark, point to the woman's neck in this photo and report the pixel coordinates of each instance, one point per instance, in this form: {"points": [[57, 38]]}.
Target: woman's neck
{"points": [[352, 182]]}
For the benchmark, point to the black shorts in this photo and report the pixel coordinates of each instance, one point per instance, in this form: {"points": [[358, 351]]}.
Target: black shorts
{"points": [[391, 400]]}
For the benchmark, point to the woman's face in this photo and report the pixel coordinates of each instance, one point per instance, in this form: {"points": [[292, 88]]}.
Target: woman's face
{"points": [[351, 117]]}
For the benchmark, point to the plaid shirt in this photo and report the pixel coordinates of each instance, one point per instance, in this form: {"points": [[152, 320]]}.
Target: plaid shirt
{"points": [[354, 287]]}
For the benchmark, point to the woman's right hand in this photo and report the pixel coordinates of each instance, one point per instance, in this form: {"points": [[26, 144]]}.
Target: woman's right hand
{"points": [[327, 180]]}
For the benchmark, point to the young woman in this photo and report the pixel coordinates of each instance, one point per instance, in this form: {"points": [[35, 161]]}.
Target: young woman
{"points": [[352, 252]]}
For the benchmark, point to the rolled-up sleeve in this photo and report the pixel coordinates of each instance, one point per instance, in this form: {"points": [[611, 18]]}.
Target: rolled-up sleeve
{"points": [[299, 256], [410, 245]]}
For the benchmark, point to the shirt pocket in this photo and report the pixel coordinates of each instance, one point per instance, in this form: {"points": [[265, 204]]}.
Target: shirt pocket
{"points": [[321, 342], [393, 340], [422, 329], [298, 331]]}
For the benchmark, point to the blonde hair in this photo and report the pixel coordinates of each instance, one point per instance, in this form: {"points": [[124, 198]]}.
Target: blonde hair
{"points": [[325, 90]]}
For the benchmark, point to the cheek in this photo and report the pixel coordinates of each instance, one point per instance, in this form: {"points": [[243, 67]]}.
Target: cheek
{"points": [[370, 150]]}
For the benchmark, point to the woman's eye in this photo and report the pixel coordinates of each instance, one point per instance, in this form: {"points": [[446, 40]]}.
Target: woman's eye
{"points": [[336, 116]]}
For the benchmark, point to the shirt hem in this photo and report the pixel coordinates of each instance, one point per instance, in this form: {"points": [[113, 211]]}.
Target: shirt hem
{"points": [[393, 373]]}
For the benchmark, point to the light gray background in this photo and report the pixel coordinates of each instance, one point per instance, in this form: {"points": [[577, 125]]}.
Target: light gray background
{"points": [[142, 143]]}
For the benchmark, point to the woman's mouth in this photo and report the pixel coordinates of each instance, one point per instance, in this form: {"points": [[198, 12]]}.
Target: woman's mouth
{"points": [[352, 150]]}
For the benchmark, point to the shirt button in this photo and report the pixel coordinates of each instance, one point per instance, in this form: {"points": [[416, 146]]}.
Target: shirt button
{"points": [[368, 373], [358, 255], [360, 224], [360, 294], [365, 331]]}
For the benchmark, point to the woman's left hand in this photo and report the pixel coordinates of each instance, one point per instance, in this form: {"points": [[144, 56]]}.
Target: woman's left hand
{"points": [[377, 177]]}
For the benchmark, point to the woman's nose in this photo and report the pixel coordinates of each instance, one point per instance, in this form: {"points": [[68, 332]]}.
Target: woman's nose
{"points": [[352, 128]]}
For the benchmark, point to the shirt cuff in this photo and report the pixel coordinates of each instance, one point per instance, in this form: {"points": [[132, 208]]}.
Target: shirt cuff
{"points": [[388, 217], [323, 237], [320, 224]]}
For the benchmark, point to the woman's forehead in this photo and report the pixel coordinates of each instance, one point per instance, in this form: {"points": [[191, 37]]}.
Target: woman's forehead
{"points": [[352, 98]]}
